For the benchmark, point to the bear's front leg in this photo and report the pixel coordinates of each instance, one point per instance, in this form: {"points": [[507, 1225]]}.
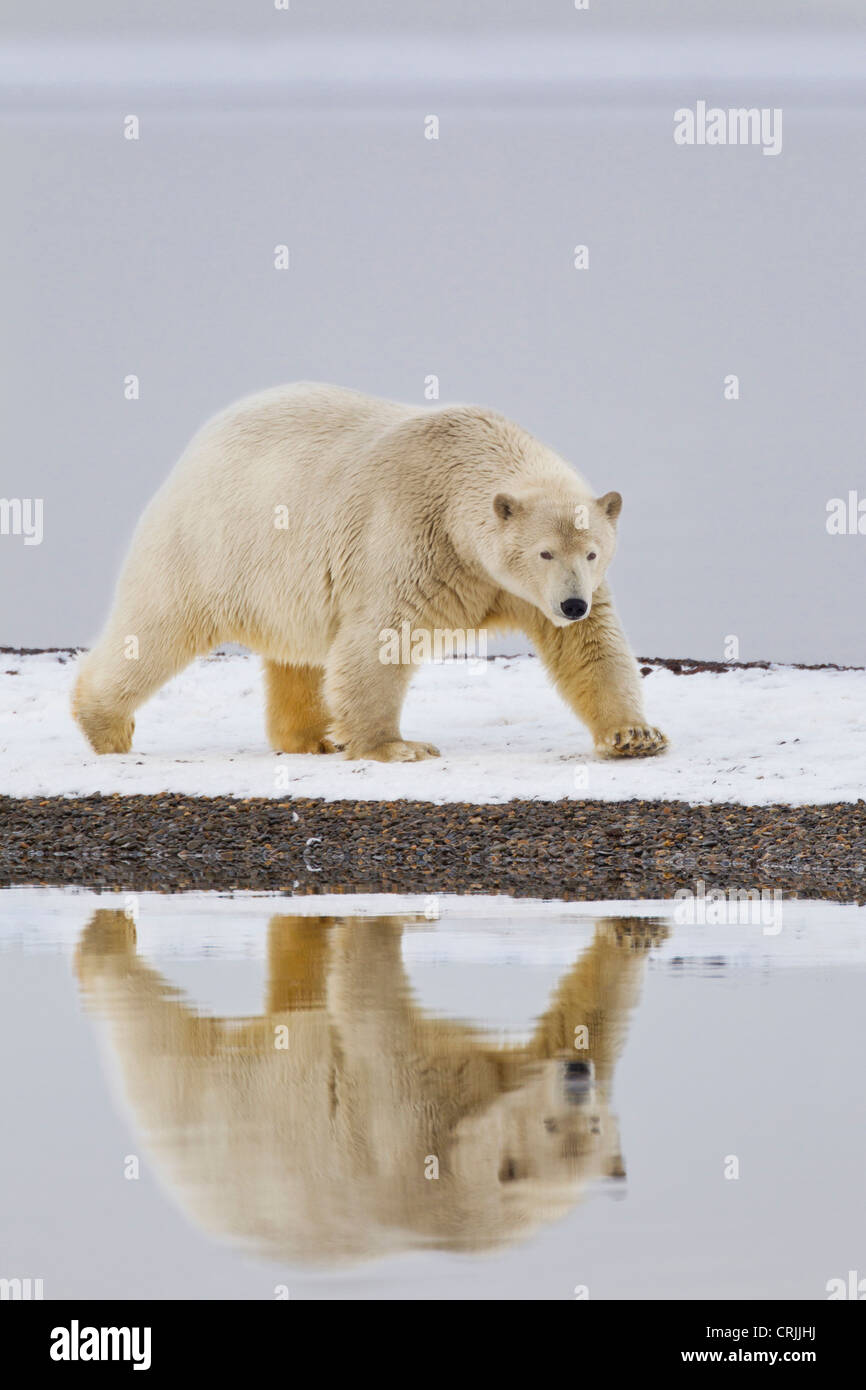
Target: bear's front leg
{"points": [[365, 694], [600, 992], [594, 670]]}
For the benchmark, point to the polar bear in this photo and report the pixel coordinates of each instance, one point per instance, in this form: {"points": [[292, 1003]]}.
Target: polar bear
{"points": [[346, 1121], [307, 521]]}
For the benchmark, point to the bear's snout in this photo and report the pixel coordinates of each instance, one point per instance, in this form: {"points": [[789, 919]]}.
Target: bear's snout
{"points": [[577, 1081], [574, 608]]}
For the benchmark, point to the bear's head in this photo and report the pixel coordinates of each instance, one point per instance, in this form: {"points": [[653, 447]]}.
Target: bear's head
{"points": [[553, 552]]}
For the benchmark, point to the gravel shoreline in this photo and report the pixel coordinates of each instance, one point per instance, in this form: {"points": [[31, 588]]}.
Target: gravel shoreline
{"points": [[544, 849]]}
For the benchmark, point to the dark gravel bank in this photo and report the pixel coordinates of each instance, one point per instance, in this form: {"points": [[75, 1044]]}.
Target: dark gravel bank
{"points": [[562, 849]]}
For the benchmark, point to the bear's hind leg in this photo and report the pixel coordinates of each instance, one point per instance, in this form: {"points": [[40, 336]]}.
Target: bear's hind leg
{"points": [[105, 719], [298, 959], [297, 718], [117, 676]]}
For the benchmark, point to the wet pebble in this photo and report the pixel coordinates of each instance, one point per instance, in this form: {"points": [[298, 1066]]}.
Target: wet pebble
{"points": [[544, 849]]}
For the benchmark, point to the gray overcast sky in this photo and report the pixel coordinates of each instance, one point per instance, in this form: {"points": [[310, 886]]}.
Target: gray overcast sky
{"points": [[177, 17], [452, 257]]}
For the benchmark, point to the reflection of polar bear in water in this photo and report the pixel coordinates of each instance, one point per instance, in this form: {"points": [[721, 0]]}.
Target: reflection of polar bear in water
{"points": [[308, 1131]]}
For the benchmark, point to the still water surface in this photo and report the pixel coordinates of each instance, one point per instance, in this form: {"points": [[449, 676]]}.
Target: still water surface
{"points": [[208, 1096]]}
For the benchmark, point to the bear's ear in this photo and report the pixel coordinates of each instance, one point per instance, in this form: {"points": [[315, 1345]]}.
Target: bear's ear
{"points": [[505, 505], [611, 505]]}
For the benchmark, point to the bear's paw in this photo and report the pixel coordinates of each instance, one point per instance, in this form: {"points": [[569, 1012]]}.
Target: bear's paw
{"points": [[399, 750], [303, 743], [633, 741]]}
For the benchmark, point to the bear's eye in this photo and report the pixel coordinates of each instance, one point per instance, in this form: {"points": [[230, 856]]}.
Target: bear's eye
{"points": [[546, 555], [592, 555]]}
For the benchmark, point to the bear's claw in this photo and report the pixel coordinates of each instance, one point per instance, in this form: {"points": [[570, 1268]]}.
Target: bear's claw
{"points": [[400, 751], [303, 743], [634, 933], [637, 741]]}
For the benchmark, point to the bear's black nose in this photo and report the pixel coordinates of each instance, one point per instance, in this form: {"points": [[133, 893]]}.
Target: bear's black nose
{"points": [[577, 1082], [573, 607]]}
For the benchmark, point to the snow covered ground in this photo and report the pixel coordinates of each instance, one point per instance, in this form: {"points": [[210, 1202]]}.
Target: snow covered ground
{"points": [[751, 736]]}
